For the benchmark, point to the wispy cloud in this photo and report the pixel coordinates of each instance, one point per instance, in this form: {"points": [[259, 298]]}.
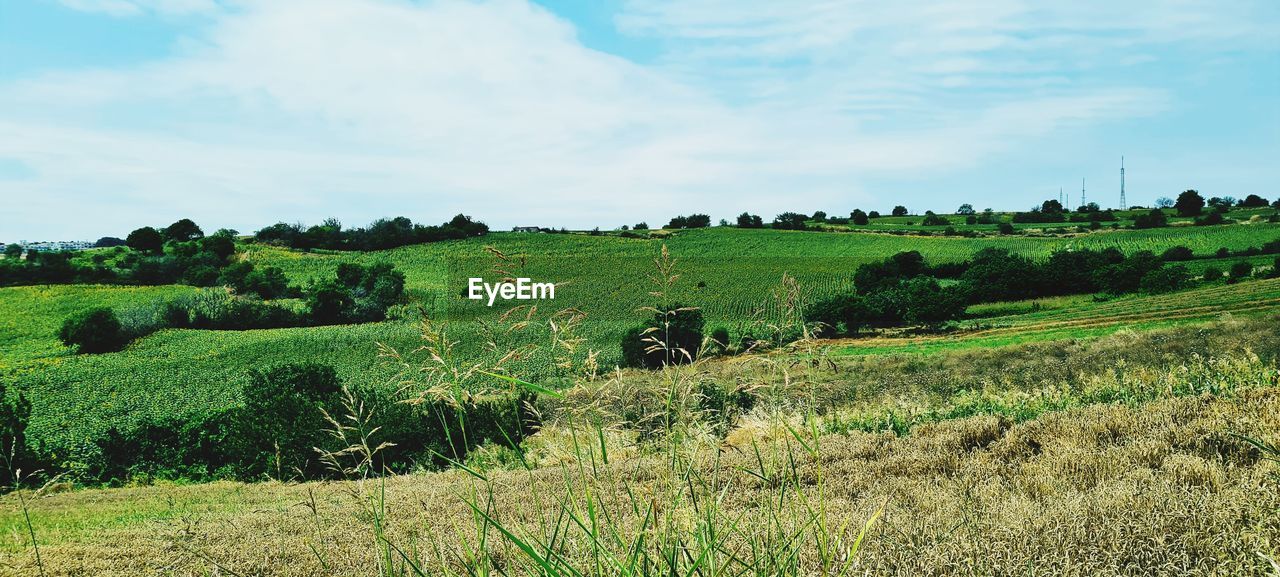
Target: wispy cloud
{"points": [[302, 109]]}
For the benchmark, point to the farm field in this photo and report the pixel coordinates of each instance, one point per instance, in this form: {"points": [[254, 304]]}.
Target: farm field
{"points": [[1104, 476], [728, 273]]}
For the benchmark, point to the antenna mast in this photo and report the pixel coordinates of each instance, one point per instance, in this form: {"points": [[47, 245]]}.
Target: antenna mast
{"points": [[1123, 205], [1082, 202]]}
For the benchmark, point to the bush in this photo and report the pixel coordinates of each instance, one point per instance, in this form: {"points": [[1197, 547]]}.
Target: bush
{"points": [[1166, 279], [94, 331], [839, 315], [283, 419], [1212, 273], [1239, 271], [15, 412], [672, 336], [1153, 219], [1177, 253], [1005, 228]]}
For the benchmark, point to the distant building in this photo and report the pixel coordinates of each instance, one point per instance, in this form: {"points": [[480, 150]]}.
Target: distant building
{"points": [[526, 229], [56, 245]]}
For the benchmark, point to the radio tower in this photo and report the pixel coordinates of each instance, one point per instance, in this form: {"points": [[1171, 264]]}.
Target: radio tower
{"points": [[1082, 202], [1123, 205]]}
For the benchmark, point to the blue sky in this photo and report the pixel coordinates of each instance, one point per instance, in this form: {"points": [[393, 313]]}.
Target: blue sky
{"points": [[241, 113]]}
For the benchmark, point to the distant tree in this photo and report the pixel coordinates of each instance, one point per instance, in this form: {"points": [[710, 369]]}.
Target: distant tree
{"points": [[1164, 202], [182, 231], [1239, 271], [699, 221], [1052, 206], [1276, 204], [965, 209], [1189, 203], [1177, 253], [109, 241], [1212, 273], [748, 220], [1165, 279], [1006, 228], [641, 226], [858, 217], [13, 251], [876, 214], [146, 239], [925, 302], [931, 219], [900, 211], [672, 336], [790, 221], [1089, 208], [820, 216], [93, 331], [1253, 201], [724, 222], [841, 314], [328, 302], [625, 227], [1153, 219], [1222, 202]]}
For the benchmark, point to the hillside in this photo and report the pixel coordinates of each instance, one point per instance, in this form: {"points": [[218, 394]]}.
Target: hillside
{"points": [[730, 274]]}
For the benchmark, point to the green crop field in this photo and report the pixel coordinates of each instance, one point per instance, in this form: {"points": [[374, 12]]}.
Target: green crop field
{"points": [[729, 273]]}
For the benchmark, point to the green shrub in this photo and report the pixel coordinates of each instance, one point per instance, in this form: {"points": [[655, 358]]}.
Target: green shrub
{"points": [[94, 331]]}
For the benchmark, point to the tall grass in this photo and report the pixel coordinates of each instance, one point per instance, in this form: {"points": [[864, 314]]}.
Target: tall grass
{"points": [[683, 518]]}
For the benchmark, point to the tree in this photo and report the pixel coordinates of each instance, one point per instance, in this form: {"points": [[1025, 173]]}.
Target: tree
{"points": [[672, 336], [641, 226], [282, 421], [925, 302], [1177, 253], [146, 239], [858, 217], [931, 219], [1189, 203], [820, 216], [876, 213], [748, 220], [790, 221], [900, 211], [1005, 228], [108, 241], [1051, 206], [328, 302], [1222, 202], [841, 314], [182, 231], [1164, 202], [13, 251], [93, 331], [1166, 279], [965, 209], [1253, 201], [1239, 271], [1153, 219]]}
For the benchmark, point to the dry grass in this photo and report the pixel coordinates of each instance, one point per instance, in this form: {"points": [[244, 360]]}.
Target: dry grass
{"points": [[1108, 489]]}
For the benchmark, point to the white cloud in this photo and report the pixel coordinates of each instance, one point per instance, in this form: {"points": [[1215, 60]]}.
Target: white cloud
{"points": [[292, 109]]}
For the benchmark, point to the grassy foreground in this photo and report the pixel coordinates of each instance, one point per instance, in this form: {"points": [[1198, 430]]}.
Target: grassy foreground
{"points": [[1036, 459]]}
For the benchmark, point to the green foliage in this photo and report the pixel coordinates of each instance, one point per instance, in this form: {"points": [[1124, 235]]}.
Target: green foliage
{"points": [[283, 419], [1189, 203], [94, 331], [145, 240], [672, 336]]}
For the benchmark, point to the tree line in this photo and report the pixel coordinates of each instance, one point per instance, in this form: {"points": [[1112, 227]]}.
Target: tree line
{"points": [[381, 234]]}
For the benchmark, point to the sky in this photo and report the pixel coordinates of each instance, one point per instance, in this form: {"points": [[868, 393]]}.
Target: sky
{"points": [[115, 114]]}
